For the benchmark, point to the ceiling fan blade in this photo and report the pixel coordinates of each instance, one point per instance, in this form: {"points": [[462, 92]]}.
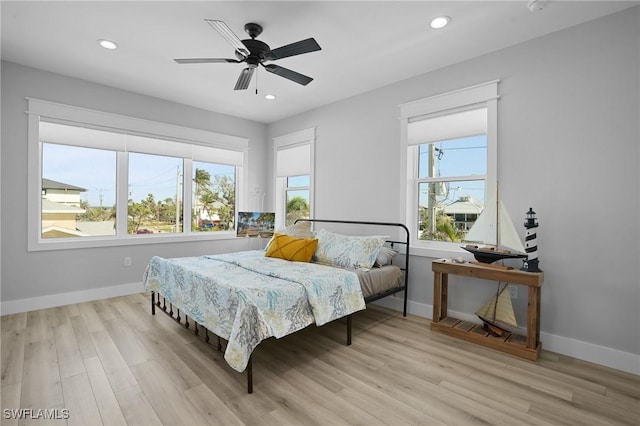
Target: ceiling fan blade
{"points": [[287, 73], [205, 60], [229, 35], [297, 48], [244, 79]]}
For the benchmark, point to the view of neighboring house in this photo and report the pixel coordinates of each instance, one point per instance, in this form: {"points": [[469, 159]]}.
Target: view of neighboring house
{"points": [[206, 218], [60, 209], [464, 211], [62, 193]]}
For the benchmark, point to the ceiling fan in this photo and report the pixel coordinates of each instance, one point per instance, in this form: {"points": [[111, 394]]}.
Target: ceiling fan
{"points": [[255, 52]]}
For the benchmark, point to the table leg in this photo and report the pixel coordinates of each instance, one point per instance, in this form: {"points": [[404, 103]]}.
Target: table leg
{"points": [[533, 318], [437, 296], [444, 296]]}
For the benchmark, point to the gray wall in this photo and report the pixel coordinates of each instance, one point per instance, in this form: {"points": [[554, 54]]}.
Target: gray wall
{"points": [[32, 274], [568, 146]]}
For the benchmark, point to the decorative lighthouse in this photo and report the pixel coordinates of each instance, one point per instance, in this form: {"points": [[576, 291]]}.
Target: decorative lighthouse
{"points": [[530, 243]]}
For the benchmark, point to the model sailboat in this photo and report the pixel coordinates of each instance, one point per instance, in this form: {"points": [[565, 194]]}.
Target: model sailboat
{"points": [[497, 313], [498, 239], [494, 235]]}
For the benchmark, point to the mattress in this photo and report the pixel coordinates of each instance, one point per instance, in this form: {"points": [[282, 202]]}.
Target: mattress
{"points": [[379, 280]]}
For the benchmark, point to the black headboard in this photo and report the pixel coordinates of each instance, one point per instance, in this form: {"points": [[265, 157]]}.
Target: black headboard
{"points": [[402, 242]]}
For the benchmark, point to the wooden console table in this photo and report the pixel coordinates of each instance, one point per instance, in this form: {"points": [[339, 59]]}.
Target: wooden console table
{"points": [[527, 347]]}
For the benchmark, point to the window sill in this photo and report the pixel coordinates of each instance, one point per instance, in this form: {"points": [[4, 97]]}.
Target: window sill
{"points": [[443, 251], [129, 240]]}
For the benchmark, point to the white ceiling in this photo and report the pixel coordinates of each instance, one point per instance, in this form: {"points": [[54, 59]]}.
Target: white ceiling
{"points": [[365, 45]]}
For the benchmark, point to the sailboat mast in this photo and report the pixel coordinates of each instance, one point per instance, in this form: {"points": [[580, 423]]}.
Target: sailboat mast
{"points": [[497, 219], [495, 306]]}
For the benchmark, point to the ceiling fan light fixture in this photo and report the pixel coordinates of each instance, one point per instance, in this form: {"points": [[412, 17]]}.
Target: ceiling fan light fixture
{"points": [[440, 22], [107, 44], [270, 97]]}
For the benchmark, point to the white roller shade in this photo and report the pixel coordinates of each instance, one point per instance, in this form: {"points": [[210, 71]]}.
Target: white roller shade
{"points": [[294, 161], [157, 146], [64, 134], [81, 136], [218, 155], [446, 127]]}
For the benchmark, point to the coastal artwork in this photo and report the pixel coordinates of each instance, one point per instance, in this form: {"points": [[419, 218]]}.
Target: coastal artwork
{"points": [[256, 224]]}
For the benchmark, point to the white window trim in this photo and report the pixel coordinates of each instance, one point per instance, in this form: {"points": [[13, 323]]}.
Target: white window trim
{"points": [[86, 117], [291, 140], [482, 94]]}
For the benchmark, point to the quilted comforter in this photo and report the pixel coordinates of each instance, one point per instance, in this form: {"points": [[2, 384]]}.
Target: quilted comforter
{"points": [[246, 297]]}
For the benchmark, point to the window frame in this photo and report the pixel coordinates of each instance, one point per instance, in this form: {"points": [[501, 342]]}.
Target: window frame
{"points": [[194, 140], [477, 96], [288, 141]]}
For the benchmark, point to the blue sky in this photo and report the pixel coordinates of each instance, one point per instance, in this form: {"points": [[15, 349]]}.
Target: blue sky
{"points": [[458, 157], [92, 169], [95, 170]]}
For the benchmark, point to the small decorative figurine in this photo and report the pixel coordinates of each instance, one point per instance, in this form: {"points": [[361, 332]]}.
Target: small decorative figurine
{"points": [[530, 243]]}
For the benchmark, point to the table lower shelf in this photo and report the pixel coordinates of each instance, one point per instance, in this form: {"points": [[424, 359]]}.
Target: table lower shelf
{"points": [[511, 343]]}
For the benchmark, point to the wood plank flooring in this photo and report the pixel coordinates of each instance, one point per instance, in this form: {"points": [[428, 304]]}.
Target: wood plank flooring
{"points": [[111, 362]]}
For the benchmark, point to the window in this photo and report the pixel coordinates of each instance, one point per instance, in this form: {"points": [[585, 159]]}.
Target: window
{"points": [[214, 207], [449, 144], [451, 175], [297, 198], [69, 210], [106, 179], [155, 194], [294, 176]]}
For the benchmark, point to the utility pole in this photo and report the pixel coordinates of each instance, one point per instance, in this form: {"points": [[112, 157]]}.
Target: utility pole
{"points": [[431, 202], [178, 199]]}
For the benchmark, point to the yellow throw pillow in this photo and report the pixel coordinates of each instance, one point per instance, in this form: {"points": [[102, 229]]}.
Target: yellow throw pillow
{"points": [[286, 247]]}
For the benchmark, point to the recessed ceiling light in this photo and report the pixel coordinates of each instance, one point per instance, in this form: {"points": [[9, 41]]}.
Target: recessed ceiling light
{"points": [[108, 44], [537, 5], [270, 97], [440, 22]]}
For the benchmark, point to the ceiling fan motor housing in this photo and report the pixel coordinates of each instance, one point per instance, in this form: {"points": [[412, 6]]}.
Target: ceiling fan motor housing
{"points": [[257, 50], [254, 30]]}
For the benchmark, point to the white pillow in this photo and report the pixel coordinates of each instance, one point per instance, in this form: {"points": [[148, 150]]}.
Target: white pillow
{"points": [[347, 251], [385, 256], [300, 229]]}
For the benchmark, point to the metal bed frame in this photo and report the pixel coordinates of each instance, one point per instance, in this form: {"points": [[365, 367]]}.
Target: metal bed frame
{"points": [[162, 305]]}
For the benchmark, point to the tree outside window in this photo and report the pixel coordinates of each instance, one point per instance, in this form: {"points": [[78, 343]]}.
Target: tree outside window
{"points": [[214, 197], [297, 198]]}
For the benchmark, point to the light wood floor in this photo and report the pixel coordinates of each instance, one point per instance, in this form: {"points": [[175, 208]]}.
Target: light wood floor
{"points": [[110, 362]]}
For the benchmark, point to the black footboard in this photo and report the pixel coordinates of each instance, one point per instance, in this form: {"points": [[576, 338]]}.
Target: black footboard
{"points": [[199, 329]]}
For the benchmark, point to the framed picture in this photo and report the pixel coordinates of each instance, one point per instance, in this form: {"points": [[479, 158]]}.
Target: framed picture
{"points": [[255, 224]]}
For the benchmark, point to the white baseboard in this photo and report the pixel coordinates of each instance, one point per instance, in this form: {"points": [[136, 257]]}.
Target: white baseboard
{"points": [[51, 301], [613, 358]]}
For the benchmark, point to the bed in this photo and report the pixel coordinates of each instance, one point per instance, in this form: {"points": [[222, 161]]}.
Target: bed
{"points": [[246, 297]]}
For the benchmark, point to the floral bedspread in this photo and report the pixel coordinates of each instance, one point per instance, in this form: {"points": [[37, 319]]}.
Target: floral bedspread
{"points": [[246, 297]]}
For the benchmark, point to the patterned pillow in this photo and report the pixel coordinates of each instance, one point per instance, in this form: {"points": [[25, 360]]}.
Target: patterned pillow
{"points": [[347, 251], [289, 248]]}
